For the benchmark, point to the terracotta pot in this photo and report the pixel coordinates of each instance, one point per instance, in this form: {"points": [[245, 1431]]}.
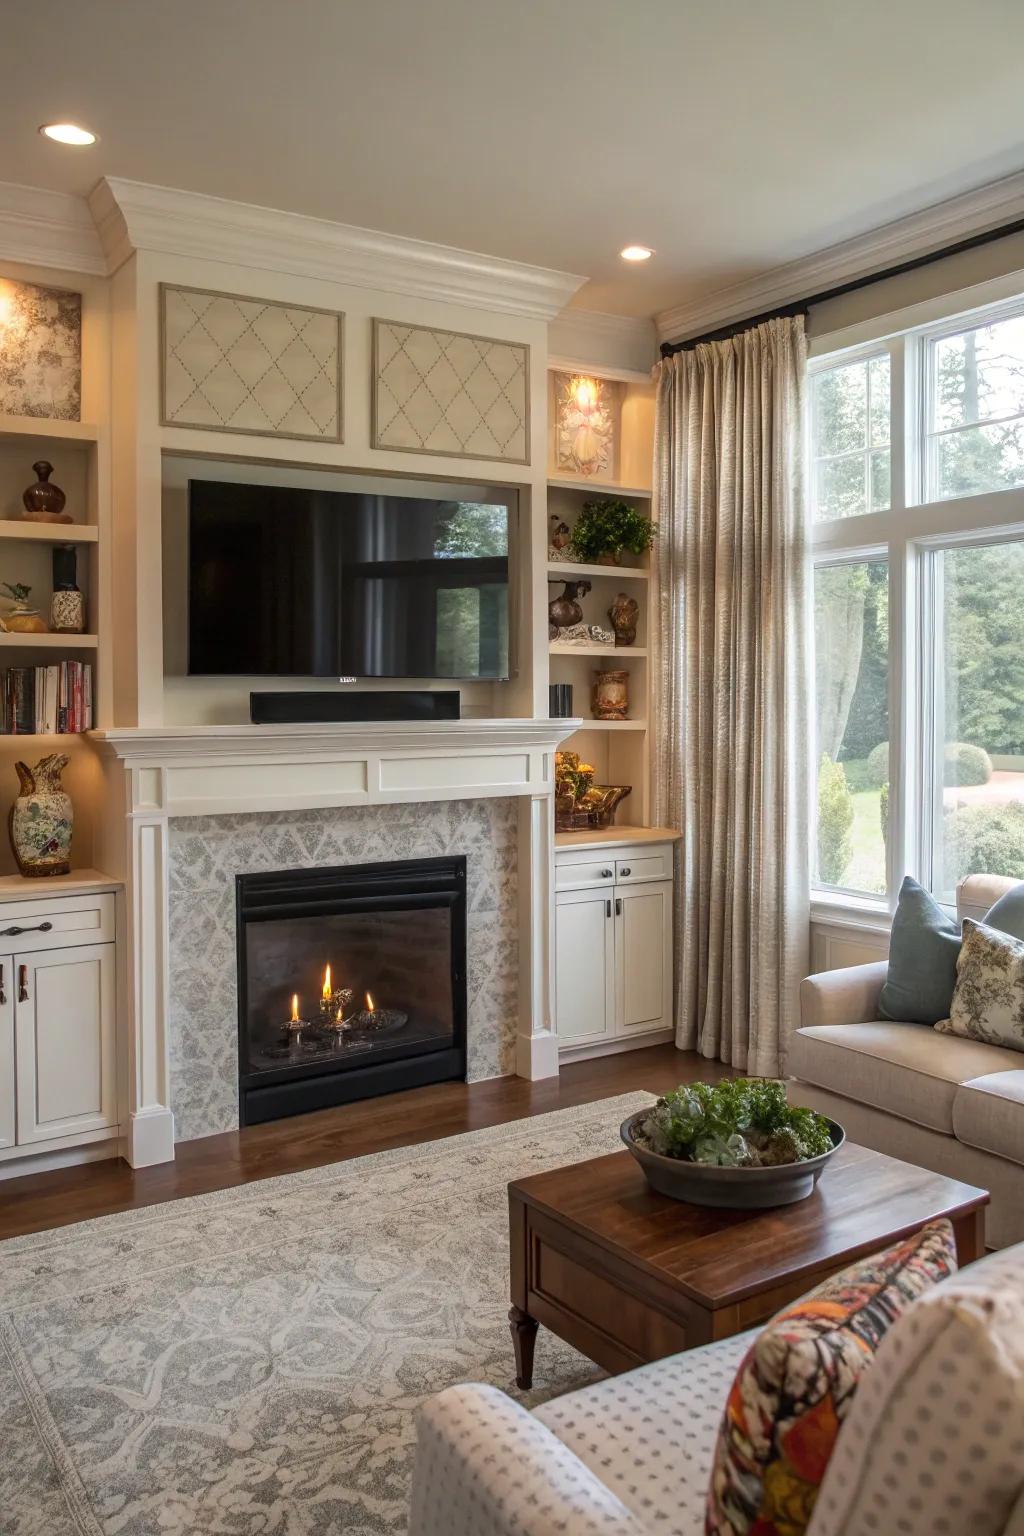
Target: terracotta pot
{"points": [[41, 818], [614, 557], [611, 696]]}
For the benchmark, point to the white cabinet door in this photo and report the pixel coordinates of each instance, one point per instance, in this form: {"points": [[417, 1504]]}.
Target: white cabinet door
{"points": [[643, 957], [584, 966], [64, 1013], [8, 1094]]}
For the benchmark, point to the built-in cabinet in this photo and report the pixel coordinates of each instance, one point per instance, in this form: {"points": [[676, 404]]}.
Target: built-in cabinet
{"points": [[613, 939], [58, 1023]]}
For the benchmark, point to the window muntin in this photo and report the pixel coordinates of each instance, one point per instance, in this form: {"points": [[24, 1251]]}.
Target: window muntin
{"points": [[974, 431], [976, 765], [850, 451], [851, 633]]}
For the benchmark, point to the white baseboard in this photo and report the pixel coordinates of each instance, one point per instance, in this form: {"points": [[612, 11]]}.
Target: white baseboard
{"points": [[570, 1053], [537, 1055], [150, 1137]]}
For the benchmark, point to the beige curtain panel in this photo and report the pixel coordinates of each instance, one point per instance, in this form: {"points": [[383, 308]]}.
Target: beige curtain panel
{"points": [[731, 686]]}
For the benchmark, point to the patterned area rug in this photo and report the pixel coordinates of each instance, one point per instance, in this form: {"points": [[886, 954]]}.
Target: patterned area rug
{"points": [[249, 1363]]}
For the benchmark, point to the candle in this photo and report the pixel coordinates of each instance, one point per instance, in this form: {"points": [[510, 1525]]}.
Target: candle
{"points": [[327, 984], [369, 1003], [295, 1007]]}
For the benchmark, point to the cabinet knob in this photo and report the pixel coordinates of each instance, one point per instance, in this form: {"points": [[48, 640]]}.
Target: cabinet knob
{"points": [[626, 869], [606, 874]]}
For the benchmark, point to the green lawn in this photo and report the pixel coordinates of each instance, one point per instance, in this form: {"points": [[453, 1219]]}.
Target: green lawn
{"points": [[866, 870]]}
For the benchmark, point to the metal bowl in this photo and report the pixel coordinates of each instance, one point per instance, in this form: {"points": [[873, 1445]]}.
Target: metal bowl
{"points": [[735, 1188]]}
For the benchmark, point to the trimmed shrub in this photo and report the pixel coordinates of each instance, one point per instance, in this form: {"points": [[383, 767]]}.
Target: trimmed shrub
{"points": [[985, 840], [878, 765], [835, 818], [966, 765]]}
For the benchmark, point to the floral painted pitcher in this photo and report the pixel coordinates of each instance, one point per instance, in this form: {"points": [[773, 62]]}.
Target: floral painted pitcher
{"points": [[41, 818]]}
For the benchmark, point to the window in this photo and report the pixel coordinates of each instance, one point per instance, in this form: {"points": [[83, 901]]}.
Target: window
{"points": [[976, 410], [977, 750], [850, 438], [851, 655], [916, 460]]}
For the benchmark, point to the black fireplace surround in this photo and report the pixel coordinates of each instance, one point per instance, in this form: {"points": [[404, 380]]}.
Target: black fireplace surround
{"points": [[351, 983]]}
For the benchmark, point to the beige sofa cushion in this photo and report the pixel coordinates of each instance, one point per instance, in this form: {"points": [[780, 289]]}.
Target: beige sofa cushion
{"points": [[650, 1434], [988, 1113], [908, 1070], [932, 1445]]}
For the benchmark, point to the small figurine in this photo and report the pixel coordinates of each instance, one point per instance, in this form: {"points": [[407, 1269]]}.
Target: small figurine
{"points": [[624, 613], [566, 609]]}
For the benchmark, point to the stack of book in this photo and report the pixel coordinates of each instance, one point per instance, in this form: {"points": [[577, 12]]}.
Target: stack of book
{"points": [[46, 701]]}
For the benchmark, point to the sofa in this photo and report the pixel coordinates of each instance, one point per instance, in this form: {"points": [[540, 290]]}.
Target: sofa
{"points": [[931, 1444], [952, 1105]]}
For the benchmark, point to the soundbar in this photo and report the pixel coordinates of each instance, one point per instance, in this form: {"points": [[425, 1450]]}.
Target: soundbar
{"points": [[318, 707]]}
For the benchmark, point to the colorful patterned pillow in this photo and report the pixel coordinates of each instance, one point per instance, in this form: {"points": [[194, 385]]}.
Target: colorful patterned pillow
{"points": [[797, 1382]]}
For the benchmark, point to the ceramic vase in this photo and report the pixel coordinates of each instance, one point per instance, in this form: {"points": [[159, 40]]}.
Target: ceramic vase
{"points": [[611, 696], [67, 606], [41, 818], [43, 502]]}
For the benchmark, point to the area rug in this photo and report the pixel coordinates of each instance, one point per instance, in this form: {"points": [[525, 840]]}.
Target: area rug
{"points": [[249, 1363]]}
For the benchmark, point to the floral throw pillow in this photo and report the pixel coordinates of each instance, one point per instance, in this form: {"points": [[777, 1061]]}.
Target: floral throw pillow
{"points": [[797, 1383], [988, 1000]]}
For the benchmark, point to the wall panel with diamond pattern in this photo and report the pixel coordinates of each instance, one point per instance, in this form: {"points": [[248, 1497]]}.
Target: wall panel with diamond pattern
{"points": [[233, 364], [443, 392]]}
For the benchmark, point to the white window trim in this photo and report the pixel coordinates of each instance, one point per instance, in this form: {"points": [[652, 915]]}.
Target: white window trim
{"points": [[906, 535]]}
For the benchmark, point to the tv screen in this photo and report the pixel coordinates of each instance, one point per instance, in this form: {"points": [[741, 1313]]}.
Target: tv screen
{"points": [[301, 583]]}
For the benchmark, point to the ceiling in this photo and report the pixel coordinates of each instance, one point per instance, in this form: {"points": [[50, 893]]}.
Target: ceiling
{"points": [[731, 137]]}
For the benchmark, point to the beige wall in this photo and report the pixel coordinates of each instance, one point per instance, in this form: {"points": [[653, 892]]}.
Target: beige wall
{"points": [[933, 281]]}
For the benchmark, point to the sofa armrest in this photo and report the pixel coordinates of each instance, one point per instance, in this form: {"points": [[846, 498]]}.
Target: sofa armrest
{"points": [[486, 1467], [849, 996]]}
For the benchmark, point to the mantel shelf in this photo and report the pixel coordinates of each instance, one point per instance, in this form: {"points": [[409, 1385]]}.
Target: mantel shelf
{"points": [[622, 651], [48, 533], [612, 725]]}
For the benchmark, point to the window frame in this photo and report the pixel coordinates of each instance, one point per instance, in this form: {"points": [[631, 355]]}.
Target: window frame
{"points": [[908, 535]]}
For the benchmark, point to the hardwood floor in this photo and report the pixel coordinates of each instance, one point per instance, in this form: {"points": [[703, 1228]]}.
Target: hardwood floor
{"points": [[42, 1200]]}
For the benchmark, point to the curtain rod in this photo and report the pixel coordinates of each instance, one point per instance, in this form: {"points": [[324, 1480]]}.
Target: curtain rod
{"points": [[801, 306]]}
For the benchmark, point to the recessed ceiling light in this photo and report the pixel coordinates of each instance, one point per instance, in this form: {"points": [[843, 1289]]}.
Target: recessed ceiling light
{"points": [[636, 253], [67, 133]]}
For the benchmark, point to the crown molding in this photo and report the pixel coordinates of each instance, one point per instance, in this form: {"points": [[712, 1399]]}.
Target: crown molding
{"points": [[133, 216], [958, 218], [590, 338], [48, 229]]}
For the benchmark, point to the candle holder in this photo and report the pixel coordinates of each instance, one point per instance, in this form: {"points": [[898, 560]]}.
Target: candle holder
{"points": [[293, 1030], [334, 1008], [379, 1021]]}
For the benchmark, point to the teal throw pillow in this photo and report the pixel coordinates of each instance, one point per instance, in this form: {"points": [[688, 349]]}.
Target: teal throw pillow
{"points": [[923, 953]]}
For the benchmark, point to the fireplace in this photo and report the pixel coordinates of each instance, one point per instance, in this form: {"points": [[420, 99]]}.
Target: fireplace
{"points": [[351, 983]]}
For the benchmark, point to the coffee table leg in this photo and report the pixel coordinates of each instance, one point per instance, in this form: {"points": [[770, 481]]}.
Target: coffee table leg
{"points": [[524, 1334]]}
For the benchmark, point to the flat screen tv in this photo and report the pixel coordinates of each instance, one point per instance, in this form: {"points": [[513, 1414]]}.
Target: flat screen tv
{"points": [[301, 583]]}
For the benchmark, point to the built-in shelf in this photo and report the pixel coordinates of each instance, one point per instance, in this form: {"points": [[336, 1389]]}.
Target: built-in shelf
{"points": [[78, 883], [48, 533], [41, 426], [602, 487], [564, 571], [612, 725], [49, 642], [622, 651], [606, 837]]}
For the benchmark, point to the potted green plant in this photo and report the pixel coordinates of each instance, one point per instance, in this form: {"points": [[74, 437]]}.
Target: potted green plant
{"points": [[606, 529]]}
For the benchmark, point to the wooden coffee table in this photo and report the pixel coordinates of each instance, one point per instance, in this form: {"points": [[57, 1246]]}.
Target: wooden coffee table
{"points": [[627, 1276]]}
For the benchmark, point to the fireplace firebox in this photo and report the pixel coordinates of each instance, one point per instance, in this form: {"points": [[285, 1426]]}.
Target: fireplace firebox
{"points": [[351, 983]]}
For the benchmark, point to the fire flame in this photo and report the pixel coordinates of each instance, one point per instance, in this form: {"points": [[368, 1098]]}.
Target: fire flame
{"points": [[369, 1003], [327, 984], [295, 1007]]}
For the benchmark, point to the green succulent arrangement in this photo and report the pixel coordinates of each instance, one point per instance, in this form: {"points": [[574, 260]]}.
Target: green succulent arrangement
{"points": [[744, 1122], [607, 528]]}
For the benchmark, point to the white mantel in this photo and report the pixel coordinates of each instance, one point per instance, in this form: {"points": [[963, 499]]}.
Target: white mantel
{"points": [[154, 774]]}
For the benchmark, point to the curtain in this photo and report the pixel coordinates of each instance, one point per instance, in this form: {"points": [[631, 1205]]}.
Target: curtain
{"points": [[731, 686]]}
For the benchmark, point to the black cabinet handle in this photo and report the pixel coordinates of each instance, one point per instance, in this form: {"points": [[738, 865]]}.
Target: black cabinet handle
{"points": [[3, 987], [14, 930], [22, 983], [607, 909], [618, 906]]}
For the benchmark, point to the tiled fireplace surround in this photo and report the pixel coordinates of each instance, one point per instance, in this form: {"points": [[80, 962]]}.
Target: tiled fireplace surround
{"points": [[192, 806], [207, 852]]}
